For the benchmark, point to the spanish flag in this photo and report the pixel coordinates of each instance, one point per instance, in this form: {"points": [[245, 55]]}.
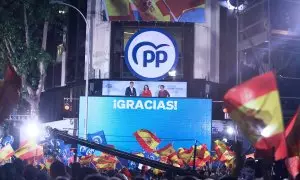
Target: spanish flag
{"points": [[29, 150], [106, 166], [198, 163], [292, 135], [255, 106], [201, 150], [186, 154], [166, 151], [175, 159], [220, 148], [147, 140], [6, 152], [85, 160]]}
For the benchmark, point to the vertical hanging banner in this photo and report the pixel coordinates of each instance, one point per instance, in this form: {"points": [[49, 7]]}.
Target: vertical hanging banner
{"points": [[156, 10]]}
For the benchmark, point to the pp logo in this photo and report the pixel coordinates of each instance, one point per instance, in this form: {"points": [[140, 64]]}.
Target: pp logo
{"points": [[97, 139], [151, 53]]}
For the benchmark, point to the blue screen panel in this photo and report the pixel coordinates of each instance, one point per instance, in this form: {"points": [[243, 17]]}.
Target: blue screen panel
{"points": [[174, 120]]}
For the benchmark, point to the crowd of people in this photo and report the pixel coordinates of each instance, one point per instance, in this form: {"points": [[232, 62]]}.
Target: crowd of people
{"points": [[19, 170]]}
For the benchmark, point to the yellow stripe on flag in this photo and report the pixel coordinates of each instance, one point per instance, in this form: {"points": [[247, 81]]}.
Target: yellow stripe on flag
{"points": [[6, 152]]}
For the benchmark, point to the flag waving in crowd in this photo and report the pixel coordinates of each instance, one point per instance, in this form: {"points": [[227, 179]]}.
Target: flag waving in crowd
{"points": [[255, 106], [147, 140]]}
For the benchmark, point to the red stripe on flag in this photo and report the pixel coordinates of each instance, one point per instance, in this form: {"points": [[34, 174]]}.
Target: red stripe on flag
{"points": [[250, 90], [164, 148], [143, 142], [277, 142]]}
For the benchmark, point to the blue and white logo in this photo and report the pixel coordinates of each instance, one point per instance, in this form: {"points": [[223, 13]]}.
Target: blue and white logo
{"points": [[151, 54]]}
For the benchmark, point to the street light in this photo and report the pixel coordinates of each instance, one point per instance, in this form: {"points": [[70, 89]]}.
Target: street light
{"points": [[87, 62]]}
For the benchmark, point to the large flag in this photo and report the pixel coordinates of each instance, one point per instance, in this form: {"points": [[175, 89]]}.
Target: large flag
{"points": [[147, 140], [292, 134], [6, 152], [255, 106], [9, 92], [166, 151]]}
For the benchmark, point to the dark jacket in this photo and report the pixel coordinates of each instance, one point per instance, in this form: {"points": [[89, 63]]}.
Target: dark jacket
{"points": [[128, 92]]}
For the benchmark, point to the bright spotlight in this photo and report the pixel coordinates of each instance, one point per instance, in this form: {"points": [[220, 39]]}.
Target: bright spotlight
{"points": [[230, 130], [32, 130], [172, 73], [225, 140]]}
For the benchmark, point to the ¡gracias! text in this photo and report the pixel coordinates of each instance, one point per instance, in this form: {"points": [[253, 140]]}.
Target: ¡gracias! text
{"points": [[145, 104]]}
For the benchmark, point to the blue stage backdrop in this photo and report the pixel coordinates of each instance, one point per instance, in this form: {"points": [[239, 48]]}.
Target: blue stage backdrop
{"points": [[174, 120]]}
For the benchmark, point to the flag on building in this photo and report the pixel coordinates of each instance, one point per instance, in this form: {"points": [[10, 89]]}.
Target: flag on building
{"points": [[147, 140], [292, 135], [166, 151], [6, 152], [255, 106]]}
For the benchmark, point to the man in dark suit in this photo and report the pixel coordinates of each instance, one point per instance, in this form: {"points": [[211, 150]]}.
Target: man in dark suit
{"points": [[130, 91]]}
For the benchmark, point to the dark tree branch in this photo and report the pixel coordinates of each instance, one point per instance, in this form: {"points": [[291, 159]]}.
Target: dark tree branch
{"points": [[7, 48], [11, 46], [26, 27]]}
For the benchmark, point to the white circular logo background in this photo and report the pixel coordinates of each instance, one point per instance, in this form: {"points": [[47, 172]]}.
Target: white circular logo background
{"points": [[155, 41]]}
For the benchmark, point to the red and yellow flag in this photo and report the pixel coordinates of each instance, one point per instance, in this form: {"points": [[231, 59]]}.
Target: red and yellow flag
{"points": [[6, 152], [166, 151], [198, 163], [106, 166], [29, 150], [85, 160], [147, 140], [175, 159], [186, 154], [223, 152], [202, 151], [255, 106]]}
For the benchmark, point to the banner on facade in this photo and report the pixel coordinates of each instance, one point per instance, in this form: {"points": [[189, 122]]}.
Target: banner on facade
{"points": [[118, 88], [156, 10], [180, 121]]}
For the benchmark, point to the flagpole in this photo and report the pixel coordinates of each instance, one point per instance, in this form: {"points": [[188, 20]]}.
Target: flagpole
{"points": [[195, 153]]}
